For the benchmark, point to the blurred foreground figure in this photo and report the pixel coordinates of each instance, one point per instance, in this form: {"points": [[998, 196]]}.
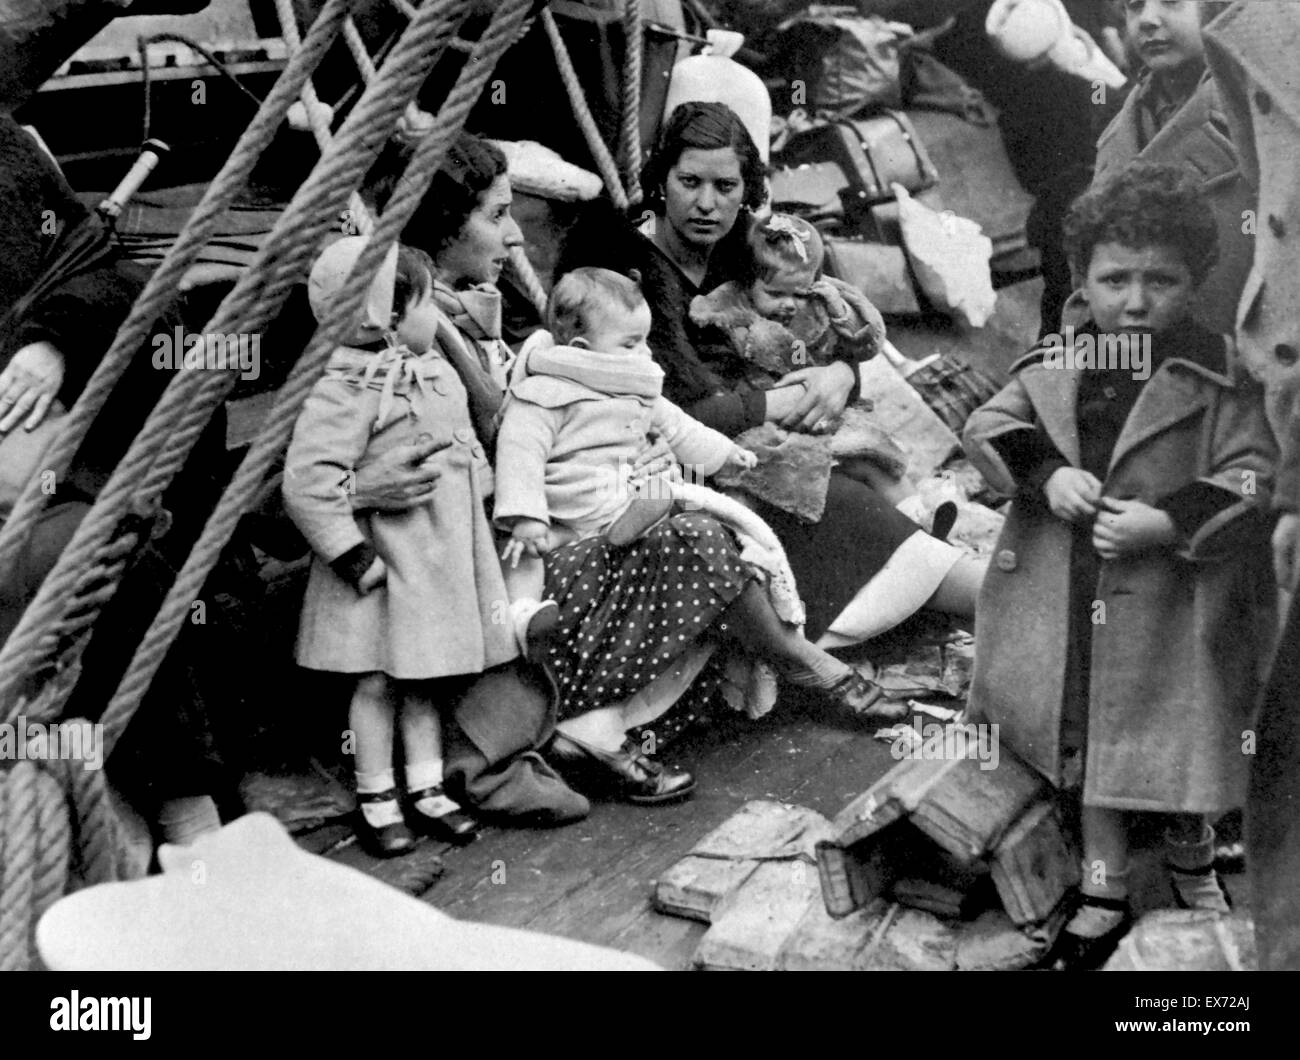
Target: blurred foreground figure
{"points": [[1251, 49]]}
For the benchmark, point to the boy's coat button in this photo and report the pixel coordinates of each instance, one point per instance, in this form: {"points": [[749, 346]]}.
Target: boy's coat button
{"points": [[1263, 102], [1006, 560], [1286, 353], [1276, 226]]}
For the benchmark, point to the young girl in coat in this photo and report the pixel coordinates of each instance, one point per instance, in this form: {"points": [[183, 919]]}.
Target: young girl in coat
{"points": [[1125, 617], [394, 598]]}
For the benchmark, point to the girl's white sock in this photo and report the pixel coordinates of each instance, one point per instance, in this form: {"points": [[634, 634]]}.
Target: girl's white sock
{"points": [[183, 820], [428, 774], [379, 814]]}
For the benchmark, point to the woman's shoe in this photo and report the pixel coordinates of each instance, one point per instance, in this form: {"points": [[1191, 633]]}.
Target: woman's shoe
{"points": [[383, 841], [454, 826], [863, 697], [625, 774], [1081, 953]]}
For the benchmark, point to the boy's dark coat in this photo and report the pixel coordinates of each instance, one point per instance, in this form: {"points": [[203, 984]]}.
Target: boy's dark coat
{"points": [[1176, 663]]}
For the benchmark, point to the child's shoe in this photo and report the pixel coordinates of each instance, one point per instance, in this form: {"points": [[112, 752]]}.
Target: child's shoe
{"points": [[439, 816], [382, 830], [1090, 937], [1200, 889], [535, 626]]}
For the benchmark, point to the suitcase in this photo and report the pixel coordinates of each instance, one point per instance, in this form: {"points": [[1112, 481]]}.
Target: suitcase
{"points": [[878, 270], [873, 153]]}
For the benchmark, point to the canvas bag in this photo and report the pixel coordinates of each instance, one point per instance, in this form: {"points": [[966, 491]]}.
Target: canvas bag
{"points": [[847, 62]]}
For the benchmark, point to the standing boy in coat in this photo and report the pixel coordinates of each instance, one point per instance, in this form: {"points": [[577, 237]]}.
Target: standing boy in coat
{"points": [[1126, 615], [1174, 116]]}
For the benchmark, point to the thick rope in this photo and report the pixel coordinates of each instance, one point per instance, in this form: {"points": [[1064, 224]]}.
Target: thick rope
{"points": [[599, 151], [18, 869], [176, 422], [633, 43], [251, 475], [161, 289], [352, 37], [311, 102], [522, 270]]}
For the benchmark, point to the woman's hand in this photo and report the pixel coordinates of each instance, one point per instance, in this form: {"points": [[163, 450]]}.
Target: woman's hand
{"points": [[29, 383], [528, 537], [398, 480], [1072, 494], [1125, 527], [1286, 551], [827, 392], [654, 459]]}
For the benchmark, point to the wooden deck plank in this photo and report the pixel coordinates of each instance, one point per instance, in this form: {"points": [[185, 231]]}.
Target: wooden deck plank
{"points": [[593, 881]]}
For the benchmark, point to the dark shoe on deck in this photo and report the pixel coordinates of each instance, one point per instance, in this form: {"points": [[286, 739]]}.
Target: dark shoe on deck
{"points": [[1079, 953], [456, 827], [626, 774]]}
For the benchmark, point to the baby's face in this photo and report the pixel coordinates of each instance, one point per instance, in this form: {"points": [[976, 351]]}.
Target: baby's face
{"points": [[613, 329], [780, 296], [419, 324]]}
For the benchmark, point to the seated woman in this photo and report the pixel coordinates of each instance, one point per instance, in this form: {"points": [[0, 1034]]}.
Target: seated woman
{"points": [[864, 567], [635, 616], [166, 764]]}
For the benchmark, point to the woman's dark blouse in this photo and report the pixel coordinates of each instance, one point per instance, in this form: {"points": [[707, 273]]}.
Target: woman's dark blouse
{"points": [[703, 373]]}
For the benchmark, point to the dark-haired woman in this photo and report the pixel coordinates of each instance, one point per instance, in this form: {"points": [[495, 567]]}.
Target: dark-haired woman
{"points": [[636, 622], [864, 567]]}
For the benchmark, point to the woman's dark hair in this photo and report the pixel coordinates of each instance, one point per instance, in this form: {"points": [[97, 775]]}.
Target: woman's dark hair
{"points": [[1144, 206], [705, 127], [470, 168], [413, 280]]}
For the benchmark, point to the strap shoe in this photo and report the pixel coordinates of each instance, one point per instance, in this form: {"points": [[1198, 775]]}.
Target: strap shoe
{"points": [[626, 774]]}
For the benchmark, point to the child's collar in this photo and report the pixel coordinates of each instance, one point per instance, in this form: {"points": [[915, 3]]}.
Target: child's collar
{"points": [[1186, 344]]}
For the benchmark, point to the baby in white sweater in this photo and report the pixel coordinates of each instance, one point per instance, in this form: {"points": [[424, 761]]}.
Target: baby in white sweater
{"points": [[583, 398]]}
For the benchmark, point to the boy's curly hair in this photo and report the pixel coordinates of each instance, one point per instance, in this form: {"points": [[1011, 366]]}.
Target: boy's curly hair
{"points": [[1144, 206]]}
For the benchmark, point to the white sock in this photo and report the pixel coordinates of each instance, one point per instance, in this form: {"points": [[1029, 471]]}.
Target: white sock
{"points": [[379, 814], [183, 820], [428, 774]]}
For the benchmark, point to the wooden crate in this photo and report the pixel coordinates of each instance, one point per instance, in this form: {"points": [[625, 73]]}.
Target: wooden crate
{"points": [[752, 926], [961, 806], [1034, 866], [701, 883]]}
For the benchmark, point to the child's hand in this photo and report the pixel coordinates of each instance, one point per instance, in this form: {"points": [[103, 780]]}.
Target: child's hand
{"points": [[528, 537], [1125, 527], [742, 459], [1072, 494], [375, 576]]}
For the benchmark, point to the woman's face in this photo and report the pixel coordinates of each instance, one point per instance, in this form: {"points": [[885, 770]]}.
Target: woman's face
{"points": [[481, 250], [703, 194]]}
